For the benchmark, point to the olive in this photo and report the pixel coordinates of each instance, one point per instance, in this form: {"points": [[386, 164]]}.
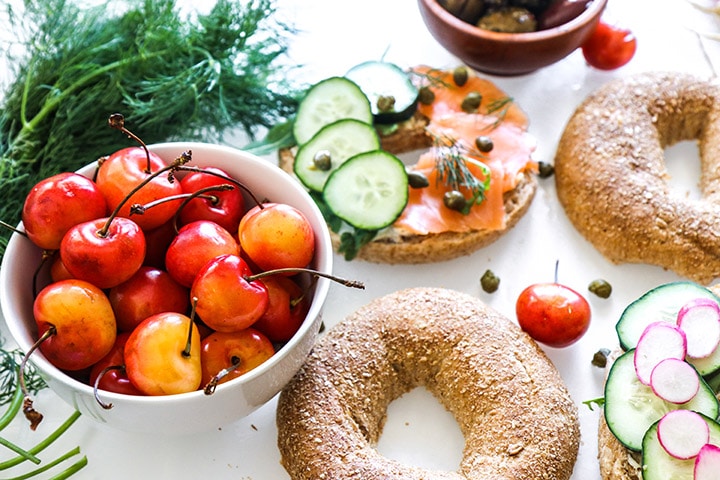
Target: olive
{"points": [[601, 288], [466, 10], [489, 281], [471, 102], [560, 12], [322, 160], [417, 180], [509, 20], [454, 200], [460, 76], [426, 96], [484, 143]]}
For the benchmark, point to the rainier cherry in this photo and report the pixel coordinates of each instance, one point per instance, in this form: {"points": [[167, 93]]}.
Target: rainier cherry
{"points": [[83, 322], [57, 203], [238, 352], [226, 300], [162, 355], [222, 207], [276, 235]]}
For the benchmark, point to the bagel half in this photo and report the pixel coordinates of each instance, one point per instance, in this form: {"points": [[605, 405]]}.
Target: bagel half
{"points": [[510, 402]]}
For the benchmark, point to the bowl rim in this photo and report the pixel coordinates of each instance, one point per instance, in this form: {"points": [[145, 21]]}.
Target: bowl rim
{"points": [[594, 9], [322, 287]]}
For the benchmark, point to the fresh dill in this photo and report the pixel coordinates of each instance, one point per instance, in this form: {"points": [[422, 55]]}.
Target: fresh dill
{"points": [[9, 365], [174, 75]]}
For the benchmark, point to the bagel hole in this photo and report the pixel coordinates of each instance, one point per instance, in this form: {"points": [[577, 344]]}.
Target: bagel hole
{"points": [[682, 162], [420, 432]]}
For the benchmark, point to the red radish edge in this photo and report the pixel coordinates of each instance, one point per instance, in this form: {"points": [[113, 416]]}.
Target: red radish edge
{"points": [[707, 463], [683, 433], [675, 381], [659, 340], [700, 320]]}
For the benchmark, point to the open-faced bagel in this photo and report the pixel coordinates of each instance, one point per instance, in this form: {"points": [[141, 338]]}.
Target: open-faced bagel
{"points": [[399, 244], [513, 408], [612, 180]]}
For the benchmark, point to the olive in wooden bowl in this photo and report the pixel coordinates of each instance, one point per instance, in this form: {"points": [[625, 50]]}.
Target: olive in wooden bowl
{"points": [[527, 40]]}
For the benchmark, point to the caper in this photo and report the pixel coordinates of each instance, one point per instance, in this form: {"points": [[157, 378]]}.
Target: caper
{"points": [[454, 200], [484, 143], [601, 288], [426, 96], [460, 76], [489, 281], [471, 102], [386, 103], [322, 160], [545, 169], [600, 358], [417, 180]]}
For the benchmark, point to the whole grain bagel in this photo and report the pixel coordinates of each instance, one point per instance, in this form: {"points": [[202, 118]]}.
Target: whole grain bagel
{"points": [[613, 183], [513, 408]]}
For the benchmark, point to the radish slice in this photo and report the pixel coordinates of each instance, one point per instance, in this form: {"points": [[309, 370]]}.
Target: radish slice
{"points": [[674, 380], [659, 340], [707, 463], [700, 320], [683, 433]]}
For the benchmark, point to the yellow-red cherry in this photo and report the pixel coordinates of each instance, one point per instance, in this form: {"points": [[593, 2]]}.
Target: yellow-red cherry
{"points": [[83, 320], [277, 235], [242, 351]]}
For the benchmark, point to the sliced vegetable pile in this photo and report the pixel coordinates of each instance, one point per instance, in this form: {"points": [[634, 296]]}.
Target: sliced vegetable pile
{"points": [[661, 393]]}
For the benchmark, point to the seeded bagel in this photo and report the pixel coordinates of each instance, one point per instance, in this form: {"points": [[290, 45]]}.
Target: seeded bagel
{"points": [[510, 403], [612, 181]]}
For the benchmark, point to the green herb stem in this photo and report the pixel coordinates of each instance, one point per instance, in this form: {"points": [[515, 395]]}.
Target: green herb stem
{"points": [[65, 474]]}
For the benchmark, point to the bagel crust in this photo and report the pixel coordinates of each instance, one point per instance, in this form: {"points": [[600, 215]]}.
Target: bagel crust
{"points": [[510, 403], [612, 180]]}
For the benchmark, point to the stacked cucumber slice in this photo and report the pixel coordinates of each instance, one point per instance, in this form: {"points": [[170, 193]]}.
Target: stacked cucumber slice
{"points": [[658, 394], [339, 154]]}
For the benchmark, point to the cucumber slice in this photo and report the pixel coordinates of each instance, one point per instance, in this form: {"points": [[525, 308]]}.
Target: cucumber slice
{"points": [[382, 79], [631, 407], [327, 101], [658, 465], [342, 139], [369, 191], [660, 303]]}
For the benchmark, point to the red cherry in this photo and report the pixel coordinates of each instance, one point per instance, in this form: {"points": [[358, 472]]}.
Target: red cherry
{"points": [[124, 170], [287, 308], [226, 300], [225, 208], [553, 314], [57, 203], [609, 47], [105, 260], [116, 379]]}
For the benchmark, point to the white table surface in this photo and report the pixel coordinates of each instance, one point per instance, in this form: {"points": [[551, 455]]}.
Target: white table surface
{"points": [[334, 35]]}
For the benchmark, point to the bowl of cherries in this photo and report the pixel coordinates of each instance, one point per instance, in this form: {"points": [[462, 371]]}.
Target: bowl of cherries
{"points": [[168, 289]]}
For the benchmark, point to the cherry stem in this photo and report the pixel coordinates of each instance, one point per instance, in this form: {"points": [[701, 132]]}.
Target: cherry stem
{"points": [[188, 345], [96, 385], [13, 229], [33, 416], [117, 121], [181, 160], [342, 281], [557, 263], [209, 389], [139, 209], [240, 185], [46, 255]]}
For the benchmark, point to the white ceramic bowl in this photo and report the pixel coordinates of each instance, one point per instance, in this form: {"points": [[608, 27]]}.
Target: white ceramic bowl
{"points": [[195, 411]]}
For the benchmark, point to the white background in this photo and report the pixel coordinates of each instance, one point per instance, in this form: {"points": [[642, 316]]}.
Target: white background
{"points": [[334, 35]]}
